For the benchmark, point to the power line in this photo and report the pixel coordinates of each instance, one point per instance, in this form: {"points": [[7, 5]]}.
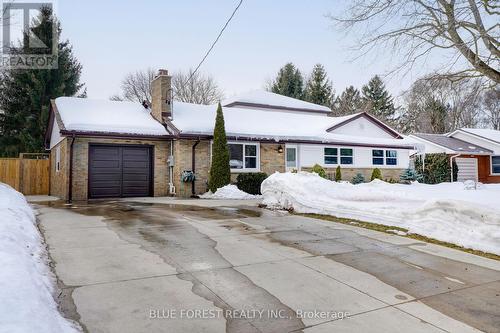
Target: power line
{"points": [[215, 42]]}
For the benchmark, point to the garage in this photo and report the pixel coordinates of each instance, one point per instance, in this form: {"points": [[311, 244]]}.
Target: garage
{"points": [[120, 171], [467, 169]]}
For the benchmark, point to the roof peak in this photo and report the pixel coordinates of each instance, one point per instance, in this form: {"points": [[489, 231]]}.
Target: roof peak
{"points": [[263, 99]]}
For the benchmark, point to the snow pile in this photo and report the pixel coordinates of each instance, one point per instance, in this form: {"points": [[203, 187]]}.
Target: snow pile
{"points": [[447, 211], [26, 303], [229, 192]]}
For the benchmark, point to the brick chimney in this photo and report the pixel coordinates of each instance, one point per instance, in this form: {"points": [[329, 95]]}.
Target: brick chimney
{"points": [[161, 100]]}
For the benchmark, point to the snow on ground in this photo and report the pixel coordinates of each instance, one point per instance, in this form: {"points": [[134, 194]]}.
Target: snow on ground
{"points": [[229, 192], [26, 283], [447, 211]]}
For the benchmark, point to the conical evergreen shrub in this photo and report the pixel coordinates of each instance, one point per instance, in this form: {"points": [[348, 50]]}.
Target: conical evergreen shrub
{"points": [[220, 172]]}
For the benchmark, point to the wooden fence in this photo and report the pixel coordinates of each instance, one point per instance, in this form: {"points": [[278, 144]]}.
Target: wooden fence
{"points": [[28, 174]]}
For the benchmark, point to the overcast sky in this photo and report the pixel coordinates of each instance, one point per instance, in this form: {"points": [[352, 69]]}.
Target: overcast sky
{"points": [[111, 38]]}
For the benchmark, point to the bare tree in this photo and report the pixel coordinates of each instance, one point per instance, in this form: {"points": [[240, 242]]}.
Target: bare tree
{"points": [[199, 89], [491, 107], [466, 30], [430, 102], [136, 86]]}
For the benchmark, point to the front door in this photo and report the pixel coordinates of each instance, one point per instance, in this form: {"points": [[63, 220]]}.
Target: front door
{"points": [[291, 157]]}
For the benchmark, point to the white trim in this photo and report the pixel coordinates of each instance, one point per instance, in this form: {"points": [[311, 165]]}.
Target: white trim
{"points": [[473, 135], [491, 166], [244, 143]]}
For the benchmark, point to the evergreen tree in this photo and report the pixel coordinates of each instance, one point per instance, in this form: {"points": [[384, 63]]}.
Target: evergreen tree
{"points": [[376, 174], [338, 174], [319, 87], [347, 103], [377, 100], [220, 172], [437, 112], [289, 82], [25, 94]]}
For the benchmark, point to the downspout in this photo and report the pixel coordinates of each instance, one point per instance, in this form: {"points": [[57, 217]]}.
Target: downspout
{"points": [[193, 168], [70, 190], [451, 165]]}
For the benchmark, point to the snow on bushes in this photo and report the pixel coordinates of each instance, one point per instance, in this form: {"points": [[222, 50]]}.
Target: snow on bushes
{"points": [[229, 192], [446, 211], [26, 283]]}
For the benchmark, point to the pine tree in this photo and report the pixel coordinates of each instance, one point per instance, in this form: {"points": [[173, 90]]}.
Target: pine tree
{"points": [[25, 94], [220, 172], [319, 87], [347, 103], [377, 100], [289, 82]]}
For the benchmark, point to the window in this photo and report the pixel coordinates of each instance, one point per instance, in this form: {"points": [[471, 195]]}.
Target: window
{"points": [[58, 159], [331, 156], [243, 155], [346, 156], [291, 157], [378, 157], [387, 157], [495, 164], [391, 157]]}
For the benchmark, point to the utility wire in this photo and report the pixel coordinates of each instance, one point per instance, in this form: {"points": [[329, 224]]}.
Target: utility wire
{"points": [[215, 42]]}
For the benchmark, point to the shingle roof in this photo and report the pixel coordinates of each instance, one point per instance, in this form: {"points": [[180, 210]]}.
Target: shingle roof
{"points": [[454, 144]]}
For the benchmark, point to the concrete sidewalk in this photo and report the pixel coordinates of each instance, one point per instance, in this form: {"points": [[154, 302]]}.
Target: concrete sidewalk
{"points": [[213, 267]]}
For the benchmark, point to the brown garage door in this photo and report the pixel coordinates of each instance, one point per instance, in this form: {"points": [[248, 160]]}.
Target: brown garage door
{"points": [[119, 171]]}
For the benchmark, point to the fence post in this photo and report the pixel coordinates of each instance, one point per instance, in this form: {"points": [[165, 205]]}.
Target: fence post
{"points": [[21, 171]]}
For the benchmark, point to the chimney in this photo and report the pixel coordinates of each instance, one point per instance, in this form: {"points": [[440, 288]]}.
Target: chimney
{"points": [[161, 100]]}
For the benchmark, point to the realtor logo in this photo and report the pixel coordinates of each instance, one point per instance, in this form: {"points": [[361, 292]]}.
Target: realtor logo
{"points": [[29, 35]]}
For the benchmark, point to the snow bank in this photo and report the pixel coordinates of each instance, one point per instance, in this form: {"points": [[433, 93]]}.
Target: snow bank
{"points": [[229, 192], [447, 211], [26, 303]]}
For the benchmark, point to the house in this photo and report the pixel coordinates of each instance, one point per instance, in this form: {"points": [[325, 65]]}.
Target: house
{"points": [[106, 148], [476, 152]]}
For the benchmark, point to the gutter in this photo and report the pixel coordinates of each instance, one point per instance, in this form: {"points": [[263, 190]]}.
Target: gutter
{"points": [[70, 190], [193, 167]]}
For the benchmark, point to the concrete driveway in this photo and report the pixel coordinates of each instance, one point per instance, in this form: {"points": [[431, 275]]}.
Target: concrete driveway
{"points": [[211, 266]]}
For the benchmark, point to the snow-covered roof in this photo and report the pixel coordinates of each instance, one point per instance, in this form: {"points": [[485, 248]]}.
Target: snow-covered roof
{"points": [[89, 115], [489, 134], [261, 124], [266, 99]]}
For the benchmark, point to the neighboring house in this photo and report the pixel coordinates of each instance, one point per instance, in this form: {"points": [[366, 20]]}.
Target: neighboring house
{"points": [[476, 152], [120, 149]]}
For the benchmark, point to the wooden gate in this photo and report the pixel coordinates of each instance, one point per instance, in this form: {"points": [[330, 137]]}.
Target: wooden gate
{"points": [[28, 174]]}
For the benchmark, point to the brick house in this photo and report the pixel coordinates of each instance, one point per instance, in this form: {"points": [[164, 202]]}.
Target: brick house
{"points": [[105, 148], [475, 150]]}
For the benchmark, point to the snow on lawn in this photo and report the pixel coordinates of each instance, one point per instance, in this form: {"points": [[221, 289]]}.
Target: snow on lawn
{"points": [[447, 211], [26, 283], [229, 192]]}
